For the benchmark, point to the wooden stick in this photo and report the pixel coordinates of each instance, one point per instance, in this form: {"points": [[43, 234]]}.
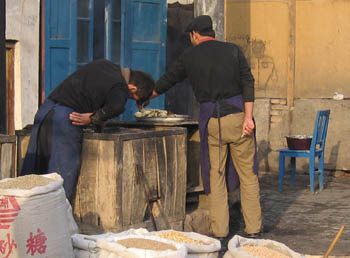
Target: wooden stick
{"points": [[335, 240]]}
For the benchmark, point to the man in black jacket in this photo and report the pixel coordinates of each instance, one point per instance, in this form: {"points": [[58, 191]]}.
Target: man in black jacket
{"points": [[223, 84], [93, 94]]}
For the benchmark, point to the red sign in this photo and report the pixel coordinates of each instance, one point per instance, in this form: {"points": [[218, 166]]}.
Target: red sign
{"points": [[9, 209]]}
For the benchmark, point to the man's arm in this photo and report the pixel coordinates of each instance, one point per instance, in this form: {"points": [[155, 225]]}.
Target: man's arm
{"points": [[246, 78], [114, 104], [247, 82], [175, 74]]}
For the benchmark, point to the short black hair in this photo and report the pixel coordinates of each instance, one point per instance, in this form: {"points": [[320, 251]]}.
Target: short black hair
{"points": [[210, 33], [144, 83]]}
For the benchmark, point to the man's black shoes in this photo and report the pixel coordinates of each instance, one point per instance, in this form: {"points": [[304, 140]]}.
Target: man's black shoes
{"points": [[223, 242], [253, 235]]}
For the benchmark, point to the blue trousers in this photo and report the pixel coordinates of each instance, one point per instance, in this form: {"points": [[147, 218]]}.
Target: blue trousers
{"points": [[65, 146]]}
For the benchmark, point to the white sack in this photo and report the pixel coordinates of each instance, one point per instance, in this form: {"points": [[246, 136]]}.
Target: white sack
{"points": [[85, 245], [237, 241], [208, 250], [38, 223], [72, 225], [203, 255], [80, 253], [111, 249]]}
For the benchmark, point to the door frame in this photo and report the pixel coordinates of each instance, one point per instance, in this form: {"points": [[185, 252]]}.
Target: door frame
{"points": [[3, 113], [10, 91]]}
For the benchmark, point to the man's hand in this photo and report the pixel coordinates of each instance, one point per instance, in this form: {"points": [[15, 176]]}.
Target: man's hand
{"points": [[154, 94], [80, 119], [144, 104], [248, 126], [248, 123]]}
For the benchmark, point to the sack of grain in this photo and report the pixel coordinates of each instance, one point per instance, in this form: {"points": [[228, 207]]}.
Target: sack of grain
{"points": [[136, 246], [249, 248], [198, 245], [34, 219], [84, 246]]}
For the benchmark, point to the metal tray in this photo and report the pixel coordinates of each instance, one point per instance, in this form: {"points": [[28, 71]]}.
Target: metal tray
{"points": [[176, 118]]}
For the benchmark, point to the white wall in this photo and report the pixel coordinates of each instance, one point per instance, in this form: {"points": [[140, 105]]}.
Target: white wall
{"points": [[22, 25]]}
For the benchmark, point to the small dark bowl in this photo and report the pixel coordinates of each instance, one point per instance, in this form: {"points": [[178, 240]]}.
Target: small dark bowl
{"points": [[299, 142]]}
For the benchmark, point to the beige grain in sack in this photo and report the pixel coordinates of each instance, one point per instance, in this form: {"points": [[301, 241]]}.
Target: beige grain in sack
{"points": [[34, 218]]}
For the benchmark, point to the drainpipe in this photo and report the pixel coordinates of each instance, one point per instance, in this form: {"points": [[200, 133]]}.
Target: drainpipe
{"points": [[291, 54]]}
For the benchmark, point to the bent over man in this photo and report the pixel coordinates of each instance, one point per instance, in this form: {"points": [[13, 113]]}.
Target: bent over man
{"points": [[94, 93]]}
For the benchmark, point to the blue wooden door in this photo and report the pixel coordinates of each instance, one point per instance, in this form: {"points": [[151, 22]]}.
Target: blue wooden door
{"points": [[143, 42], [60, 41]]}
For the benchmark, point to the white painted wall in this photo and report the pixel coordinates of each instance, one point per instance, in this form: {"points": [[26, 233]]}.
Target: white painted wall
{"points": [[22, 25]]}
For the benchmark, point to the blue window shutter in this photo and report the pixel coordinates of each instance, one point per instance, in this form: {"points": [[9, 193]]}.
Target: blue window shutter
{"points": [[143, 42], [60, 41]]}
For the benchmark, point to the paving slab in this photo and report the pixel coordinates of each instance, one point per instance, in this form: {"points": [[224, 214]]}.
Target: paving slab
{"points": [[305, 222]]}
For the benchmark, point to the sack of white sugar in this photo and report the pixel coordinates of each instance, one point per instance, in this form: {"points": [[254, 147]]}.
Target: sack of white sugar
{"points": [[34, 217]]}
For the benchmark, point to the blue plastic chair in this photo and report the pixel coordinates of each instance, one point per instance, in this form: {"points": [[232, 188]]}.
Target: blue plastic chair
{"points": [[316, 150]]}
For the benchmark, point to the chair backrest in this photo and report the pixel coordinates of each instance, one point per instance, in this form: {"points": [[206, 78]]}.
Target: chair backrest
{"points": [[320, 130]]}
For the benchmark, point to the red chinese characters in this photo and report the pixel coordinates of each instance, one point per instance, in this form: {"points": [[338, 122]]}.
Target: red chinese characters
{"points": [[9, 209], [6, 246], [36, 243]]}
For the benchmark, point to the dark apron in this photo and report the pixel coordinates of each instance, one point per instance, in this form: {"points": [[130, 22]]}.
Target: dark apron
{"points": [[206, 112], [64, 142]]}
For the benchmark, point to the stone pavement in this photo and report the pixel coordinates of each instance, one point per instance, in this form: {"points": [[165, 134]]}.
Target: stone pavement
{"points": [[305, 222]]}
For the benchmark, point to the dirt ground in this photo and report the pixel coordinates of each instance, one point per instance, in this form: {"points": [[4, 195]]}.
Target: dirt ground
{"points": [[305, 222]]}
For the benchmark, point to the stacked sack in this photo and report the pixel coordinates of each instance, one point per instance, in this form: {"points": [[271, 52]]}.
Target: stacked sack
{"points": [[35, 217]]}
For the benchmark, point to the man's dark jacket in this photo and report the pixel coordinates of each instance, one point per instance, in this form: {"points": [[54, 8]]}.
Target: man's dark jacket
{"points": [[96, 87]]}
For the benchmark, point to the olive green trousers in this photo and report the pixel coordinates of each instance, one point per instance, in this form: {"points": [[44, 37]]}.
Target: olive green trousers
{"points": [[242, 151]]}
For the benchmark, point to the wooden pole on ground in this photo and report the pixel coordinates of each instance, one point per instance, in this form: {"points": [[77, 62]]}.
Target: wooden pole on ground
{"points": [[335, 240]]}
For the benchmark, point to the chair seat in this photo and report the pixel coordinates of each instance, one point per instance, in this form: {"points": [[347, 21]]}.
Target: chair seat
{"points": [[299, 153]]}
